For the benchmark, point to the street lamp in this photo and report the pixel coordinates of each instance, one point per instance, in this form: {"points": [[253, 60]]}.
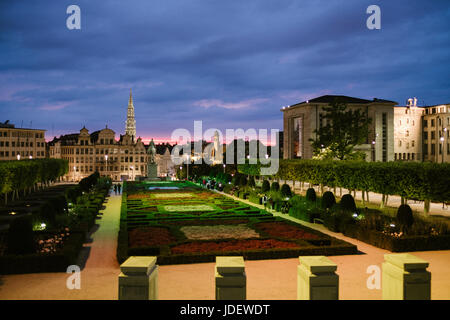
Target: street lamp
{"points": [[31, 157], [74, 168], [188, 159], [18, 156], [442, 148], [106, 159], [224, 168], [132, 173]]}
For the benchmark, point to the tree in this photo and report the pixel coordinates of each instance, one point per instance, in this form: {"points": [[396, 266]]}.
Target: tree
{"points": [[344, 129]]}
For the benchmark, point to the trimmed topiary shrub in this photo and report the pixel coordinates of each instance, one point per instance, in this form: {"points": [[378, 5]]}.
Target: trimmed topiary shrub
{"points": [[265, 186], [405, 217], [251, 182], [275, 186], [20, 236], [243, 181], [47, 213], [311, 195], [286, 190], [348, 203], [328, 200]]}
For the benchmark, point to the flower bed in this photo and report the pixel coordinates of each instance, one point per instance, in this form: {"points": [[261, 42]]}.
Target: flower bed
{"points": [[240, 231], [284, 230], [234, 245], [183, 208], [182, 229], [171, 195], [150, 236]]}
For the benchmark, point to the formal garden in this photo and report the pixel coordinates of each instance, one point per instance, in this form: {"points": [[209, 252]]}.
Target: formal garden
{"points": [[44, 226], [181, 222], [395, 229]]}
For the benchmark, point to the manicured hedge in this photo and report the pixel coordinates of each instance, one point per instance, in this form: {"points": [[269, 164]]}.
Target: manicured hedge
{"points": [[403, 244], [34, 263]]}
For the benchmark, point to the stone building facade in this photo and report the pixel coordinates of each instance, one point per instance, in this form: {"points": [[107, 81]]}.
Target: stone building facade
{"points": [[302, 119], [99, 151], [436, 133], [21, 143]]}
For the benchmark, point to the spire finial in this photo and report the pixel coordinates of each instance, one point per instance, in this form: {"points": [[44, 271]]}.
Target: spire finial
{"points": [[131, 98]]}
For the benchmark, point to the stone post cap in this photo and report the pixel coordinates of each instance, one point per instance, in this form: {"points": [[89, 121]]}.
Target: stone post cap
{"points": [[230, 265], [406, 261], [318, 264], [138, 265]]}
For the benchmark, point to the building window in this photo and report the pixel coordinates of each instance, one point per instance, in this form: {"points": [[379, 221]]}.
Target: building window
{"points": [[399, 143], [297, 135], [433, 149], [425, 123], [432, 122], [412, 143], [425, 135], [412, 155], [433, 135]]}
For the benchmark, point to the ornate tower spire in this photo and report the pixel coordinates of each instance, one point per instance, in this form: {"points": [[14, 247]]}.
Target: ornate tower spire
{"points": [[130, 126]]}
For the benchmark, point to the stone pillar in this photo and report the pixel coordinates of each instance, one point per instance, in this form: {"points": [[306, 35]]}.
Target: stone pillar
{"points": [[138, 279], [231, 281], [405, 278], [316, 279]]}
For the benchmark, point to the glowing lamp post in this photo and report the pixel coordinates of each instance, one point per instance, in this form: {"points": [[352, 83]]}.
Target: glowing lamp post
{"points": [[18, 156], [106, 160]]}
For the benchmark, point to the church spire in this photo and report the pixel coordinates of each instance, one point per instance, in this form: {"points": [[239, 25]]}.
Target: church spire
{"points": [[130, 126]]}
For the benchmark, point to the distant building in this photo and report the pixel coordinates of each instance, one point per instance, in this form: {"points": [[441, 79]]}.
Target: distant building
{"points": [[302, 119], [99, 151], [21, 143], [436, 133]]}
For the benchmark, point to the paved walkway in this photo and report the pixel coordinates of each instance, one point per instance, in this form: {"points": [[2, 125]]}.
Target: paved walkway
{"points": [[266, 279]]}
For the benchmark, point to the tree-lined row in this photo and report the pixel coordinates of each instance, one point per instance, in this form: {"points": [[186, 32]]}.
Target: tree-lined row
{"points": [[411, 180], [16, 176]]}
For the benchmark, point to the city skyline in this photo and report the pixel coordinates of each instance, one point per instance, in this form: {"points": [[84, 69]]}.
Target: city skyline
{"points": [[231, 65]]}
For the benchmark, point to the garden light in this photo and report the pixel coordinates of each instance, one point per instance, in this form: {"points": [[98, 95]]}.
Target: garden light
{"points": [[392, 225], [355, 215], [43, 226]]}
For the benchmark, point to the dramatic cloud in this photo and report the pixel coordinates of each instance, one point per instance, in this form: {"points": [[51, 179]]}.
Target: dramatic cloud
{"points": [[231, 64]]}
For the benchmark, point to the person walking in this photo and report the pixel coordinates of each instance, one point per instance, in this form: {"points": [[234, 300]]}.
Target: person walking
{"points": [[119, 187], [115, 189]]}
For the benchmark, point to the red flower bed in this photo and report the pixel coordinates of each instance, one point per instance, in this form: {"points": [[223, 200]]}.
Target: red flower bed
{"points": [[202, 247], [137, 196], [149, 236], [284, 230], [207, 222]]}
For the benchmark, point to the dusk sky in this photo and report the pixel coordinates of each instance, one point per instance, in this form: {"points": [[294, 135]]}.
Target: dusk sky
{"points": [[231, 64]]}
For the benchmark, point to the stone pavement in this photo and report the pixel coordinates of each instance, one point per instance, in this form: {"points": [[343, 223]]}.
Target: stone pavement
{"points": [[266, 279]]}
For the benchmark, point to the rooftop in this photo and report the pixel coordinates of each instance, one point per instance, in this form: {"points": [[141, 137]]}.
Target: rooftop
{"points": [[328, 99]]}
